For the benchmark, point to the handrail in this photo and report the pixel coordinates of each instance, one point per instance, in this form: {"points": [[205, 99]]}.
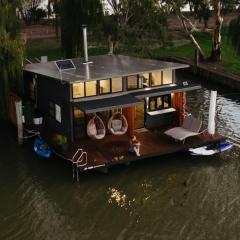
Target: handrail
{"points": [[79, 149], [82, 158]]}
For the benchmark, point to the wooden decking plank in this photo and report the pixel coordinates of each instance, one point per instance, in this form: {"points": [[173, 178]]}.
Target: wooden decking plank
{"points": [[113, 150]]}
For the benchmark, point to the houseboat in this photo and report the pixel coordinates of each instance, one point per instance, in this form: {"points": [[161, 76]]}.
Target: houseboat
{"points": [[91, 106]]}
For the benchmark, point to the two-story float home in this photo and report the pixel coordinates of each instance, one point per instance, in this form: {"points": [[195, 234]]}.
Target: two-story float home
{"points": [[97, 105]]}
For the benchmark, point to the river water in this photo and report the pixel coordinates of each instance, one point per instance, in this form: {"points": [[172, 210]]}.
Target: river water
{"points": [[174, 197]]}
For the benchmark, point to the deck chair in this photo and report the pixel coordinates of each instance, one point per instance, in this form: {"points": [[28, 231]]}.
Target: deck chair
{"points": [[118, 124], [191, 127]]}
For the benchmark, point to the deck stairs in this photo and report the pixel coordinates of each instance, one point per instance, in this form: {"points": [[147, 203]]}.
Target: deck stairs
{"points": [[79, 160]]}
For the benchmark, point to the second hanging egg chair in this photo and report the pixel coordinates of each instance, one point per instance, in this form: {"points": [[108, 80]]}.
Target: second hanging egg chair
{"points": [[95, 128], [118, 124]]}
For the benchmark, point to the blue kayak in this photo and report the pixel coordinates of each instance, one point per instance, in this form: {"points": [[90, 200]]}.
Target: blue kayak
{"points": [[41, 148]]}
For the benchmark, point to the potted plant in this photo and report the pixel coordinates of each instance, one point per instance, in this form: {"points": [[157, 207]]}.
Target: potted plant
{"points": [[61, 142]]}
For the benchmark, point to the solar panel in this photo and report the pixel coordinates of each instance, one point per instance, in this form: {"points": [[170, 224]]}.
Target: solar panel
{"points": [[66, 64]]}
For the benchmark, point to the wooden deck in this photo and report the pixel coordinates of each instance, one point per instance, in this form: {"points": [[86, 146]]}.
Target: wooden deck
{"points": [[113, 150]]}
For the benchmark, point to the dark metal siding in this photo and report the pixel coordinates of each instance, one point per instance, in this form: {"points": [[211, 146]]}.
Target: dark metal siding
{"points": [[50, 90]]}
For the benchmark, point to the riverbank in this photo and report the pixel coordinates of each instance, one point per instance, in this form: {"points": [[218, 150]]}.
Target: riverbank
{"points": [[209, 72]]}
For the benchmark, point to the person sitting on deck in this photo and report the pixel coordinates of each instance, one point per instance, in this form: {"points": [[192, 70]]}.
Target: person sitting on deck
{"points": [[134, 145]]}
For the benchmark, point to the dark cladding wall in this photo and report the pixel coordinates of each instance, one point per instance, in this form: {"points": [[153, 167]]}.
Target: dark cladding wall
{"points": [[50, 90]]}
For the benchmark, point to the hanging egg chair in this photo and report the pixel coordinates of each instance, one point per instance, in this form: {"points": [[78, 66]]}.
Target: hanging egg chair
{"points": [[118, 124], [95, 128]]}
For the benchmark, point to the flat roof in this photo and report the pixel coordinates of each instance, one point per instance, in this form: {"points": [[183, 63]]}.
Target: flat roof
{"points": [[102, 67]]}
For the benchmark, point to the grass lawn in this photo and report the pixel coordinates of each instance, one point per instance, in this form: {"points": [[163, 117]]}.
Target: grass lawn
{"points": [[51, 48], [231, 61]]}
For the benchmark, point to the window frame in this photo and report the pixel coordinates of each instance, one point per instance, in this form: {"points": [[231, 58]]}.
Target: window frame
{"points": [[132, 89], [162, 101], [84, 92], [112, 85], [165, 84], [161, 84], [149, 80], [99, 86]]}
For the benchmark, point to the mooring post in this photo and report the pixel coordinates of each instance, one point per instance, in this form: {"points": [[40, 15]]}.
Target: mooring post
{"points": [[19, 114]]}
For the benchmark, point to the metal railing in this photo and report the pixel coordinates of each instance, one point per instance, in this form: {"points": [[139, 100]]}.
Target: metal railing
{"points": [[79, 160]]}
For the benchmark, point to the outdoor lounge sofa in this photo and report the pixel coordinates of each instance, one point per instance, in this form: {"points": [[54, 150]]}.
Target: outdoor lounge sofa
{"points": [[191, 127]]}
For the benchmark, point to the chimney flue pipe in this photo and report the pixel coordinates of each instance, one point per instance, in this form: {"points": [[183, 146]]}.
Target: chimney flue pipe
{"points": [[85, 43]]}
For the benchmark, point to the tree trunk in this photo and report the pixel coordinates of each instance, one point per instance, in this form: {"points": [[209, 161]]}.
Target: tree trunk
{"points": [[192, 38], [110, 45], [216, 54]]}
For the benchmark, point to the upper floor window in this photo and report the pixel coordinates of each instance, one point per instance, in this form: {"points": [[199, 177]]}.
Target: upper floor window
{"points": [[91, 88], [132, 82], [156, 79], [104, 86], [167, 77], [117, 85], [78, 90], [144, 80]]}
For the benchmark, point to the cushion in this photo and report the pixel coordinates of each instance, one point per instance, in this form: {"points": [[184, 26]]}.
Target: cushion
{"points": [[92, 129], [116, 124], [187, 122]]}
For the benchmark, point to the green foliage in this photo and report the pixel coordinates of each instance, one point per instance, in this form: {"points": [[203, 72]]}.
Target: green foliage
{"points": [[11, 54], [60, 140], [234, 34], [74, 14]]}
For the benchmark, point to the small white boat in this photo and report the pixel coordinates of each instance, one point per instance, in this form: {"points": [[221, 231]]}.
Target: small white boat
{"points": [[211, 149]]}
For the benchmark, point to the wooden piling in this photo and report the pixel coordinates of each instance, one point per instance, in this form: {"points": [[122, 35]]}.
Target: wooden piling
{"points": [[19, 114]]}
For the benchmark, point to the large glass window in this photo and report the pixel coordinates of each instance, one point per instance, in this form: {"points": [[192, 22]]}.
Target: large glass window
{"points": [[117, 85], [91, 88], [167, 77], [78, 90], [156, 79], [104, 86], [132, 82], [159, 103], [144, 80]]}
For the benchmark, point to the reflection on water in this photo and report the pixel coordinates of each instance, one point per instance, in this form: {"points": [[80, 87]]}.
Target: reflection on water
{"points": [[174, 197]]}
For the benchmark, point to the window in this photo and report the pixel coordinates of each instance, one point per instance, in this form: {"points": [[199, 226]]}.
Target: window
{"points": [[156, 79], [91, 88], [58, 115], [55, 112], [167, 77], [132, 82], [117, 85], [78, 90], [144, 80], [104, 86], [159, 103]]}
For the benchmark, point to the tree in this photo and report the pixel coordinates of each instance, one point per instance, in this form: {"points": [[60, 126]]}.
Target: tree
{"points": [[11, 53], [74, 14], [201, 9], [216, 54], [135, 23], [189, 27], [29, 10]]}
